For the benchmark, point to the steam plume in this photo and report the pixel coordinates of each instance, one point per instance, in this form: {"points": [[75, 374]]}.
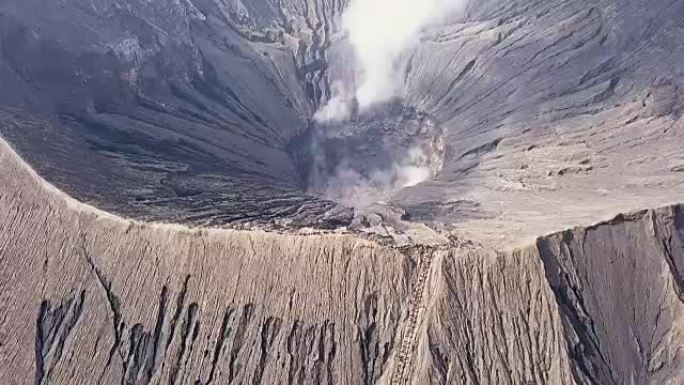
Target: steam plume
{"points": [[380, 31], [348, 186]]}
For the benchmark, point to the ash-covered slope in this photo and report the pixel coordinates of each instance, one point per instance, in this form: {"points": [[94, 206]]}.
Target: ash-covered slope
{"points": [[535, 116], [166, 110], [89, 298]]}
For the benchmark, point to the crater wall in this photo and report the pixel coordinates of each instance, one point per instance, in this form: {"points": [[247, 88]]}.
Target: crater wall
{"points": [[87, 296]]}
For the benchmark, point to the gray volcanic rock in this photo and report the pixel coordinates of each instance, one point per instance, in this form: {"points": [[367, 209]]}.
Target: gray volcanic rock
{"points": [[187, 111], [171, 213], [168, 111]]}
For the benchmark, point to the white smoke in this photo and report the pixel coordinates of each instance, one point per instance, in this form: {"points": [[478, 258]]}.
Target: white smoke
{"points": [[380, 32], [351, 188], [338, 108]]}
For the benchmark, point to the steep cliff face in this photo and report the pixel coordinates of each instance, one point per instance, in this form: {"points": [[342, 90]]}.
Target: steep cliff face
{"points": [[491, 318], [619, 289], [91, 298]]}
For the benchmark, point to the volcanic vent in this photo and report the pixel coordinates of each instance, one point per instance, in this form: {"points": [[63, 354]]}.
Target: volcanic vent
{"points": [[365, 159]]}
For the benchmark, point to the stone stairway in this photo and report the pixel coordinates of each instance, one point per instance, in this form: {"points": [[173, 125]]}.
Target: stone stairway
{"points": [[402, 369]]}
